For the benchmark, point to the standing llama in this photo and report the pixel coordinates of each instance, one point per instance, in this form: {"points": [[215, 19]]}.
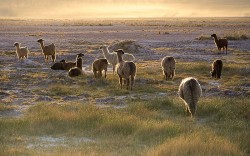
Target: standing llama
{"points": [[22, 52], [49, 50], [112, 57], [190, 91], [98, 66], [168, 67], [126, 70], [220, 43]]}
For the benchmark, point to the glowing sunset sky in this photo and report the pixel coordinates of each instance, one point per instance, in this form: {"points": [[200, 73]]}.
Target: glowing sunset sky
{"points": [[75, 9]]}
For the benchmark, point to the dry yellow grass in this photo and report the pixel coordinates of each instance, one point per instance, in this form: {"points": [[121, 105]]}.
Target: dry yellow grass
{"points": [[197, 144]]}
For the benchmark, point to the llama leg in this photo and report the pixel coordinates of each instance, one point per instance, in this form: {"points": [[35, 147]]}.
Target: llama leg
{"points": [[132, 82], [172, 75], [95, 74], [127, 83], [53, 57], [218, 74], [113, 70], [169, 75], [166, 75], [219, 50], [120, 81], [105, 73], [187, 111], [100, 73]]}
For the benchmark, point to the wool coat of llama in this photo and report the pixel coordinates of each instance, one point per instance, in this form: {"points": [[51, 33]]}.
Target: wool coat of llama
{"points": [[22, 52], [98, 66], [190, 91], [126, 70], [48, 50], [216, 69], [76, 71], [112, 56], [168, 67]]}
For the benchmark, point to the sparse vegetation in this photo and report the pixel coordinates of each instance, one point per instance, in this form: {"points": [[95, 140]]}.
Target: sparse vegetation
{"points": [[204, 37], [45, 112], [147, 127], [4, 107], [237, 36]]}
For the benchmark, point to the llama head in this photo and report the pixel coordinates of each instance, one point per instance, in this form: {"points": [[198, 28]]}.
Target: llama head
{"points": [[213, 35], [103, 46], [119, 51], [80, 55], [16, 44], [40, 40]]}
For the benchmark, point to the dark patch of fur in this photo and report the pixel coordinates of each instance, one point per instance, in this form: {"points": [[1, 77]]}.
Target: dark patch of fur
{"points": [[132, 68], [216, 69]]}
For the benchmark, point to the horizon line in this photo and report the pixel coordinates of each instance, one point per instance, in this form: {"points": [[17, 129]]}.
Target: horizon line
{"points": [[114, 18]]}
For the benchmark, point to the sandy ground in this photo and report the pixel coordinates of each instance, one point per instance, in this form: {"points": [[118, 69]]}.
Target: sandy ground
{"points": [[176, 37]]}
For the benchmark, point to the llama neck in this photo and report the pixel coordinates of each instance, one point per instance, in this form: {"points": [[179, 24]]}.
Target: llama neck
{"points": [[42, 45], [79, 63], [215, 39], [119, 58], [105, 51], [18, 47]]}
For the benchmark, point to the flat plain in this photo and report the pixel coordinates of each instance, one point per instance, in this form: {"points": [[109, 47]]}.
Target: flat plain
{"points": [[46, 112]]}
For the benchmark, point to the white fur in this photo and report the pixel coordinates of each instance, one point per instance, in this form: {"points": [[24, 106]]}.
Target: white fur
{"points": [[112, 56]]}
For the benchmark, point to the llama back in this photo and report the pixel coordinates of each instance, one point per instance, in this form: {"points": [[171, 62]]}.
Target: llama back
{"points": [[168, 63], [190, 90]]}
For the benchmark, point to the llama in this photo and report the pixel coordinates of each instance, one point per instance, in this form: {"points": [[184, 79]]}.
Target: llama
{"points": [[22, 52], [168, 67], [76, 71], [58, 65], [190, 91], [112, 57], [126, 70], [49, 50], [98, 66], [216, 69], [67, 65], [220, 43]]}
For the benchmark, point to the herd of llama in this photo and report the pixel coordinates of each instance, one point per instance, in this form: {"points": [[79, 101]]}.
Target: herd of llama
{"points": [[123, 64]]}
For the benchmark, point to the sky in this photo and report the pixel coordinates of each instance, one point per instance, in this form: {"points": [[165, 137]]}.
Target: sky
{"points": [[80, 9]]}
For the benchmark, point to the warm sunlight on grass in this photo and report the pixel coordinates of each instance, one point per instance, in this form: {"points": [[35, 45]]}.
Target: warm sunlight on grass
{"points": [[197, 144]]}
